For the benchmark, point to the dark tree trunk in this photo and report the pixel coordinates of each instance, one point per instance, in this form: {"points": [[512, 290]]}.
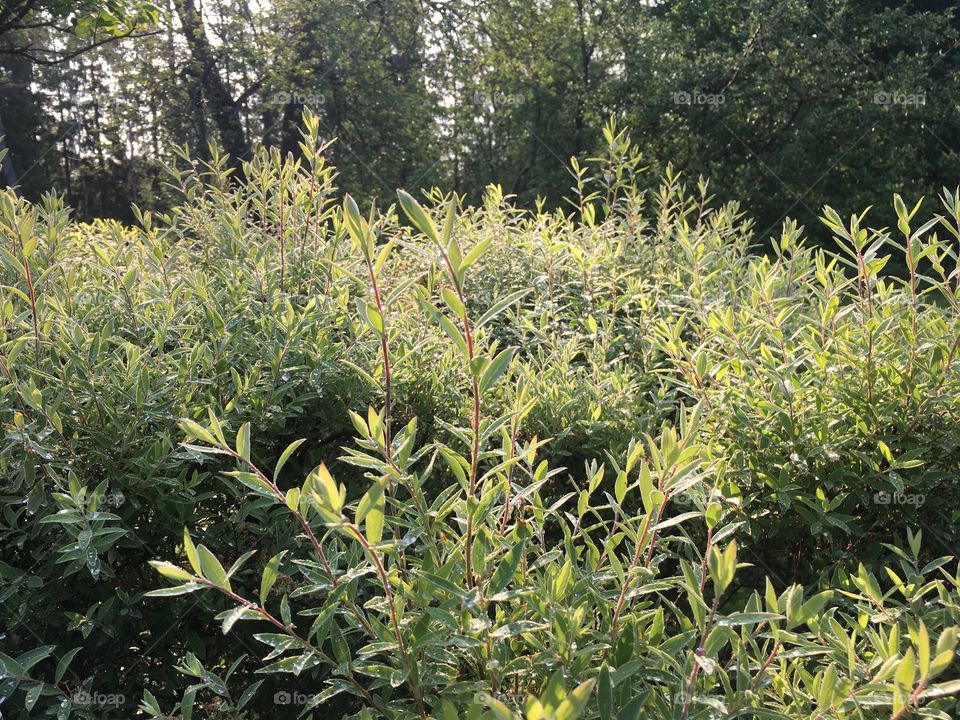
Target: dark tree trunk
{"points": [[290, 132], [7, 174], [223, 108]]}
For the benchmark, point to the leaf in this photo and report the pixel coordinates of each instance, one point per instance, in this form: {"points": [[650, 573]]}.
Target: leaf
{"points": [[604, 693], [714, 510], [620, 488], [248, 694], [495, 370], [418, 216], [517, 628], [939, 690], [369, 501], [269, 576], [230, 617], [646, 487], [453, 302], [238, 563], [252, 481], [454, 334], [64, 663], [722, 566], [176, 590], [285, 455], [906, 671], [212, 569], [32, 696], [747, 618], [572, 706], [373, 515], [197, 431], [169, 570], [475, 252], [507, 569], [500, 710], [631, 711], [443, 584], [500, 306], [31, 657], [448, 222], [923, 650], [191, 552], [186, 703], [243, 441]]}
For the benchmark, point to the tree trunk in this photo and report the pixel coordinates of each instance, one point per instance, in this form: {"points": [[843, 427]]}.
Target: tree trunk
{"points": [[223, 108], [7, 174]]}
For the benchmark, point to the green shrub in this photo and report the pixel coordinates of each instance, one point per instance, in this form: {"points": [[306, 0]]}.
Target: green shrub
{"points": [[599, 463]]}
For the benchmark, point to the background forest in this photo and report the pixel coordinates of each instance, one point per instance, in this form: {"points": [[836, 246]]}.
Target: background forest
{"points": [[785, 105], [507, 360]]}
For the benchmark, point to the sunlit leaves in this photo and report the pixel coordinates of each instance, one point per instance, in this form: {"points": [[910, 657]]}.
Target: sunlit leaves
{"points": [[722, 566]]}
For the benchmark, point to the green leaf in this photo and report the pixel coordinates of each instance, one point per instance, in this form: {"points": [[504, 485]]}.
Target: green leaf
{"points": [[371, 511], [230, 617], [906, 671], [454, 334], [197, 431], [175, 590], [64, 663], [604, 693], [215, 425], [939, 690], [500, 710], [747, 618], [572, 706], [475, 252], [238, 563], [32, 696], [923, 650], [243, 441], [169, 570], [292, 500], [269, 576], [418, 216], [631, 711], [285, 455], [248, 694], [507, 569], [448, 223], [517, 628], [186, 704], [646, 487], [453, 302], [495, 370], [212, 569], [722, 566], [191, 552], [500, 306], [252, 481], [620, 488], [713, 513]]}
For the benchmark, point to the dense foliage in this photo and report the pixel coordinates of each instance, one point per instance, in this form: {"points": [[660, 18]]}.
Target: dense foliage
{"points": [[786, 104], [470, 461]]}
